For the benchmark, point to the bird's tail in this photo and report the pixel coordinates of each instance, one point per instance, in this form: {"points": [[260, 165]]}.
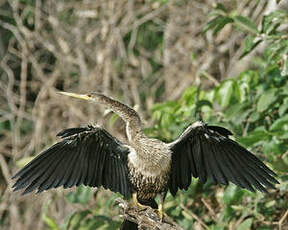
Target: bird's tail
{"points": [[128, 225]]}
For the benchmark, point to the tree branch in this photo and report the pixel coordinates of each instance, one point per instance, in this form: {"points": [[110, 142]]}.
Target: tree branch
{"points": [[145, 218]]}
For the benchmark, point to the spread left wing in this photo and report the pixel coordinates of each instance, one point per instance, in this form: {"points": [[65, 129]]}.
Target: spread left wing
{"points": [[208, 153], [89, 156]]}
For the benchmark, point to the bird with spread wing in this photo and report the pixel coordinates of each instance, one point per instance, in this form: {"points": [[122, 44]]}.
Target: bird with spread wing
{"points": [[144, 167]]}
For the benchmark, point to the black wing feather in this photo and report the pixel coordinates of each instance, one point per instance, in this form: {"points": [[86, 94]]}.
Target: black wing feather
{"points": [[212, 155], [191, 158], [196, 153], [29, 175], [233, 176], [45, 180], [41, 160], [209, 163], [91, 165], [241, 171], [89, 156], [257, 173], [202, 168], [216, 167]]}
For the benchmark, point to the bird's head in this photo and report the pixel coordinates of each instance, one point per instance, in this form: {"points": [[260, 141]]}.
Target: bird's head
{"points": [[93, 97]]}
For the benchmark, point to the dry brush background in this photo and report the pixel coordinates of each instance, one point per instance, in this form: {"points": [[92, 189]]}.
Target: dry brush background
{"points": [[138, 51]]}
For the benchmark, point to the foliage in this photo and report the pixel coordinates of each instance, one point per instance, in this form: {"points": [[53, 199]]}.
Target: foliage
{"points": [[85, 217], [269, 32], [256, 112], [254, 105]]}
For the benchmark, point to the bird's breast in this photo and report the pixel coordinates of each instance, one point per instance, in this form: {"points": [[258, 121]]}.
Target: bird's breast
{"points": [[149, 174], [150, 164]]}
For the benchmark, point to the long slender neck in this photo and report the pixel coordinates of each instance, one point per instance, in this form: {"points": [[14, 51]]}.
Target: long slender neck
{"points": [[129, 115]]}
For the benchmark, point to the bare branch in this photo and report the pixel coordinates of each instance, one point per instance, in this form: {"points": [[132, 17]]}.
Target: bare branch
{"points": [[147, 218]]}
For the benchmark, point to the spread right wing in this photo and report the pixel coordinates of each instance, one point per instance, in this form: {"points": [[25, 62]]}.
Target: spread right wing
{"points": [[207, 152]]}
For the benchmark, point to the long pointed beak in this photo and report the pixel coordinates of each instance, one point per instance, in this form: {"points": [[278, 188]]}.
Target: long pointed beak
{"points": [[87, 97]]}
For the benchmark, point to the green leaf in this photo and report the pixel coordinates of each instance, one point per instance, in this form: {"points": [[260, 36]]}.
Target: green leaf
{"points": [[250, 43], [207, 95], [47, 219], [187, 215], [212, 23], [280, 165], [273, 147], [188, 97], [250, 77], [221, 24], [246, 24], [237, 112], [176, 211], [217, 23], [270, 203], [284, 107], [218, 227], [221, 7], [81, 195], [284, 71], [254, 116], [50, 222], [267, 99], [279, 123], [254, 137], [232, 195], [246, 224], [272, 21], [224, 93], [77, 218]]}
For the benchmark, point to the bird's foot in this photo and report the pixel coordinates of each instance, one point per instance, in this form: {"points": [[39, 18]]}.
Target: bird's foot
{"points": [[137, 204], [160, 212], [141, 206]]}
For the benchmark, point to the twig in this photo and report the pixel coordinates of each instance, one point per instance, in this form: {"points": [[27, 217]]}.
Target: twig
{"points": [[283, 218], [5, 169], [210, 209], [210, 77], [194, 216], [146, 218]]}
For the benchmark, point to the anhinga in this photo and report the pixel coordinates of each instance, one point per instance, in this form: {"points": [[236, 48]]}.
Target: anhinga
{"points": [[145, 167]]}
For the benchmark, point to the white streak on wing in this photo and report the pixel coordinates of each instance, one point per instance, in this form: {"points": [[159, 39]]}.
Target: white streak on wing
{"points": [[187, 131], [197, 124], [206, 135]]}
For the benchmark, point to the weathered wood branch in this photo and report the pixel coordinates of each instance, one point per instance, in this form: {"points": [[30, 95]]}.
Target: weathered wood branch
{"points": [[145, 218]]}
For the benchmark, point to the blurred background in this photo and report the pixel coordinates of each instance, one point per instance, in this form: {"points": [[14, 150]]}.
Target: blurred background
{"points": [[174, 61]]}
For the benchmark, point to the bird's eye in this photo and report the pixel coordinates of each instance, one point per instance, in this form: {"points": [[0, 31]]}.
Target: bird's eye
{"points": [[89, 95]]}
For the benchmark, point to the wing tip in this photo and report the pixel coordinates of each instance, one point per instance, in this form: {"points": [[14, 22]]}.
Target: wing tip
{"points": [[15, 189], [16, 175], [26, 191]]}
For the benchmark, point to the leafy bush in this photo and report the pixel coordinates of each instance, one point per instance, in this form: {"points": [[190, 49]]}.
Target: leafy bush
{"points": [[256, 112], [254, 106]]}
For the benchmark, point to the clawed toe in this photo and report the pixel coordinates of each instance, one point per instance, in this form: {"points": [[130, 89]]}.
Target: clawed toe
{"points": [[161, 214]]}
